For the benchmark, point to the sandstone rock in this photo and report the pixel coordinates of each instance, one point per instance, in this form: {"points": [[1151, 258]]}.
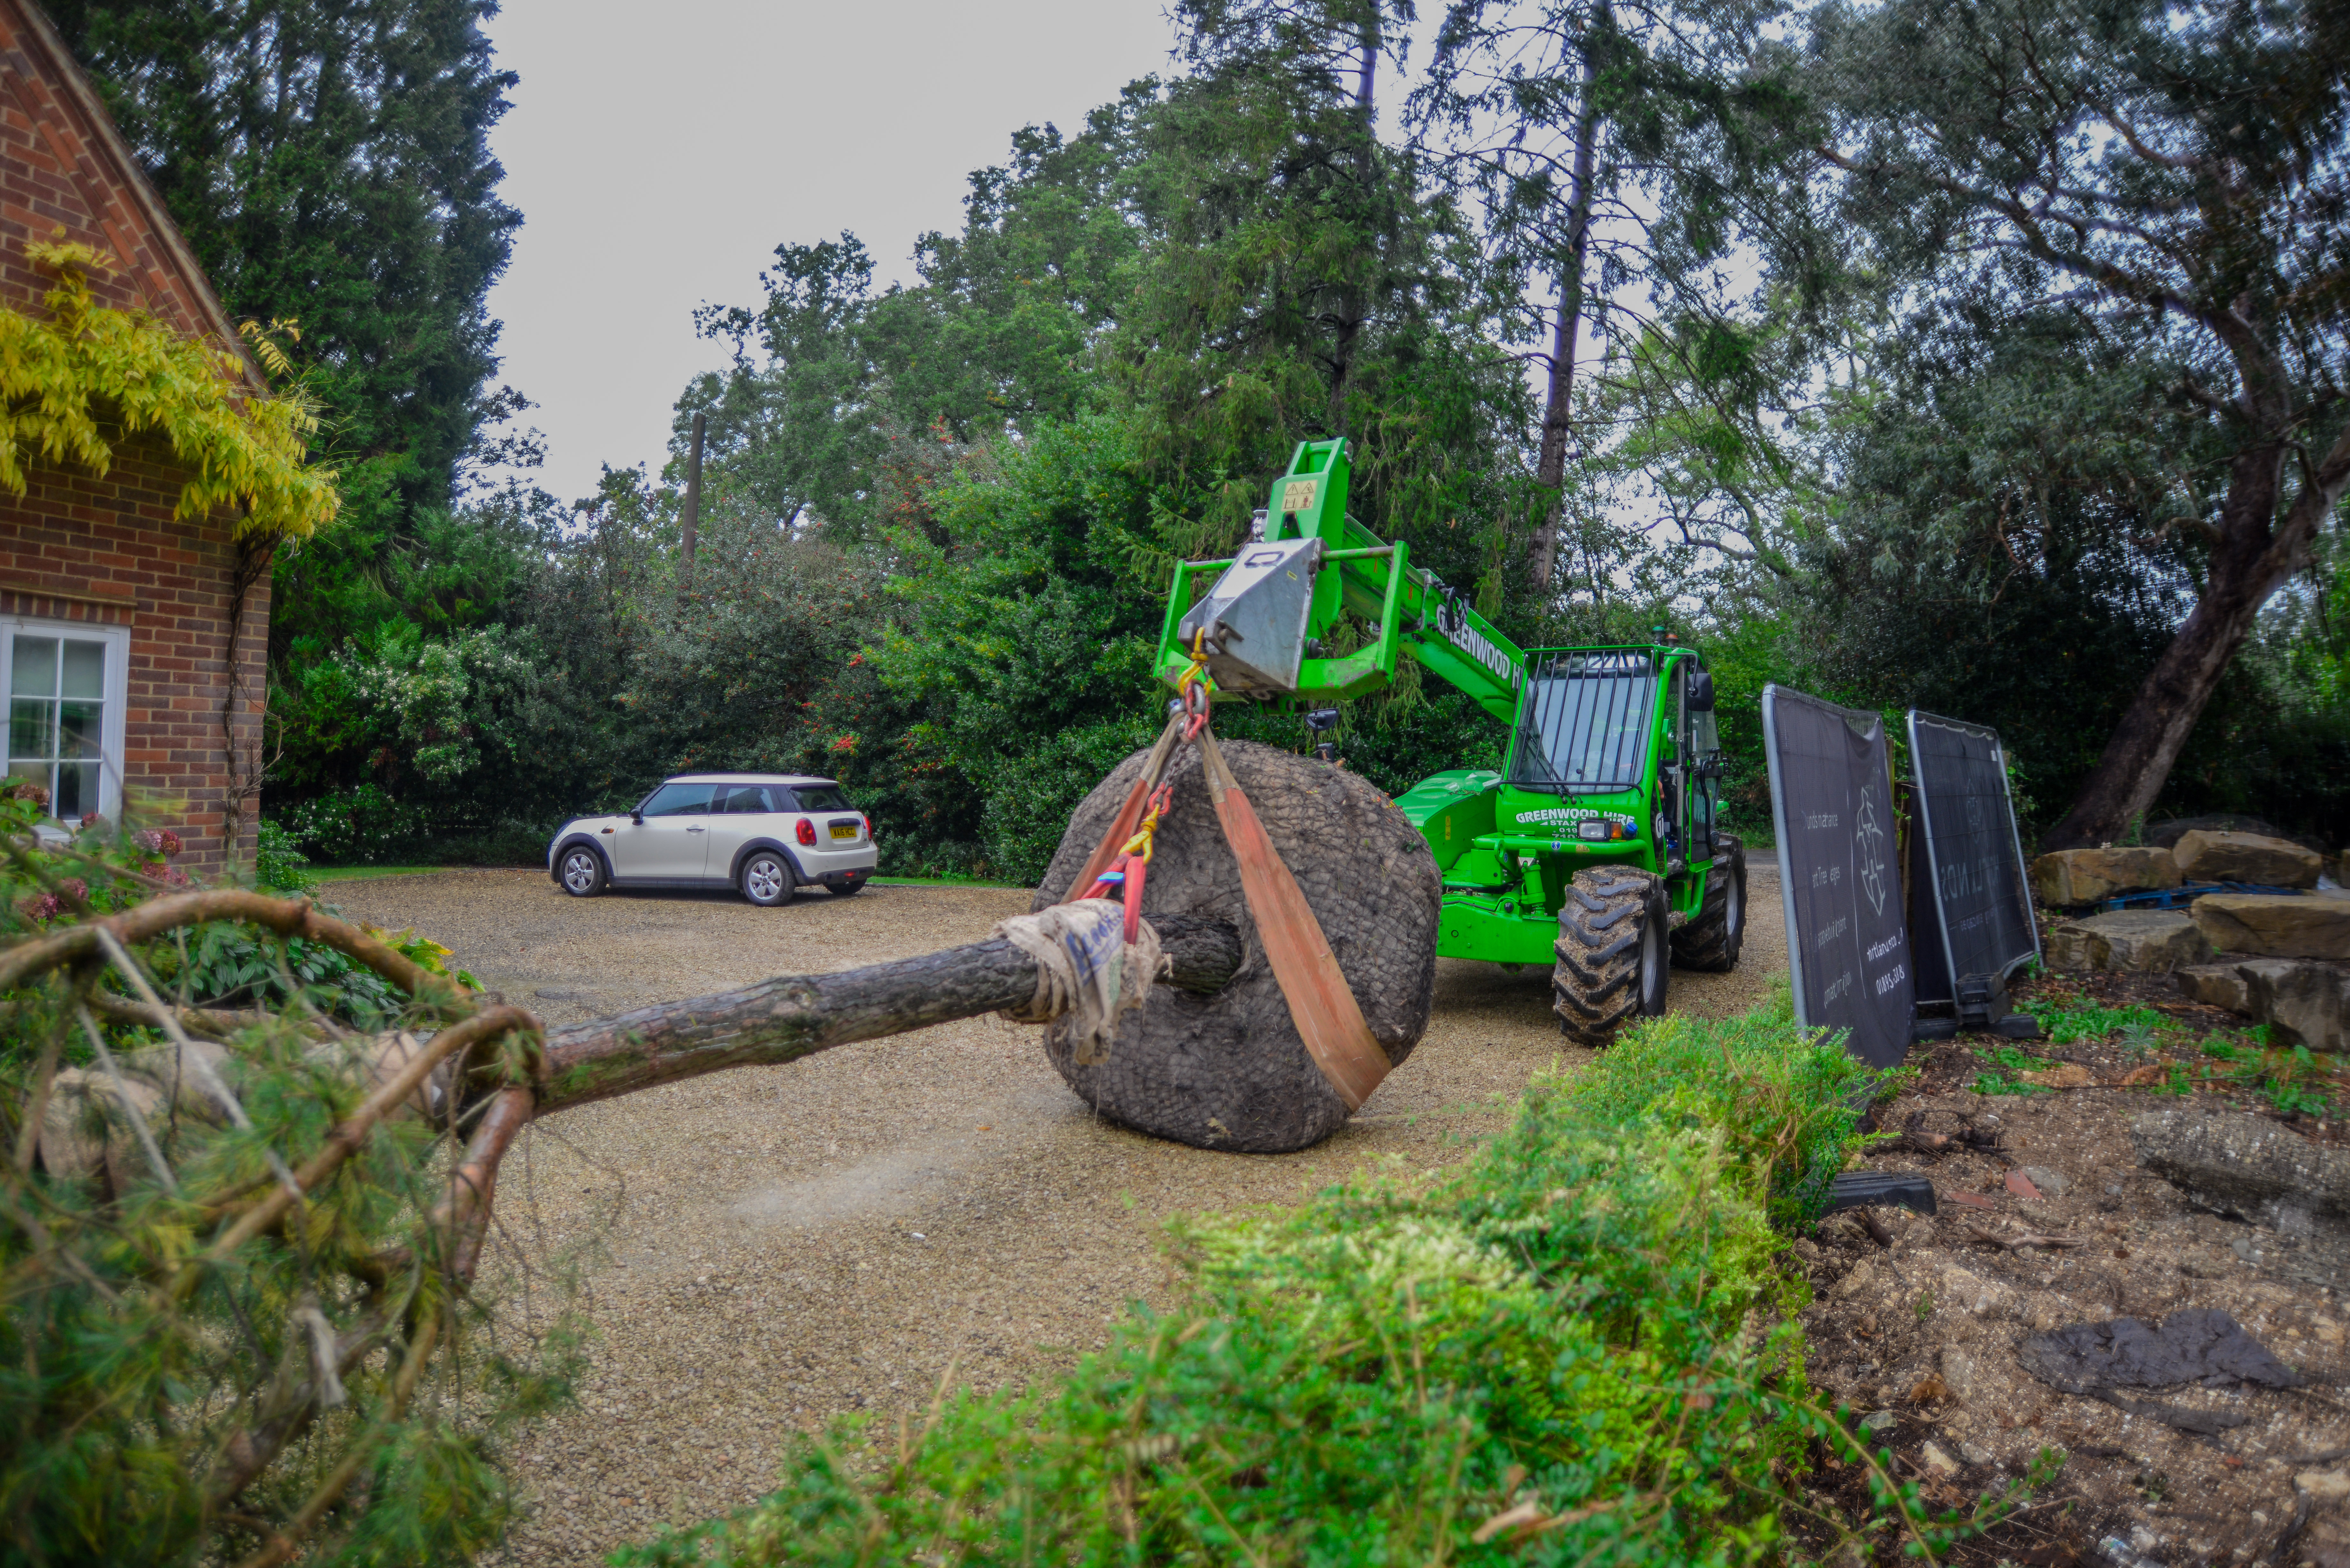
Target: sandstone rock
{"points": [[2070, 876], [2273, 925], [1959, 1374], [1863, 1275], [1937, 1460], [2247, 858], [2260, 1170], [2304, 1002], [2052, 1183], [2151, 941], [2217, 985], [2169, 832]]}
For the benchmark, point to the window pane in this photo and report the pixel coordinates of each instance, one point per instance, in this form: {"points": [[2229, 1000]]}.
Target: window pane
{"points": [[36, 667], [79, 733], [680, 800], [32, 726], [747, 799], [77, 795], [822, 797], [85, 670], [1585, 722]]}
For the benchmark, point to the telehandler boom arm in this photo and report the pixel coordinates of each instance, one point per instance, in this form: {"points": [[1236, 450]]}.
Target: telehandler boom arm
{"points": [[1270, 621]]}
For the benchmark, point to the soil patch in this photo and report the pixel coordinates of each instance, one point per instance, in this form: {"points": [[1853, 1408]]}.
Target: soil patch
{"points": [[1921, 1337]]}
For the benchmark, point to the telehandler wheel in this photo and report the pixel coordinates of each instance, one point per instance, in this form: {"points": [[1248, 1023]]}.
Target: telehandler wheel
{"points": [[1611, 954], [1712, 941]]}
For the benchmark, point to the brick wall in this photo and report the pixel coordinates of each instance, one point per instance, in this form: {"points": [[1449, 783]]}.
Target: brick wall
{"points": [[76, 547], [63, 165], [107, 551]]}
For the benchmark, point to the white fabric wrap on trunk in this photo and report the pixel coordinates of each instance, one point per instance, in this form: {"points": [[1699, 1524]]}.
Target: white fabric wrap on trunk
{"points": [[1085, 965]]}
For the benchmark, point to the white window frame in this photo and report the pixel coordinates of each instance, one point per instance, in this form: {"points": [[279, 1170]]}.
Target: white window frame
{"points": [[117, 640]]}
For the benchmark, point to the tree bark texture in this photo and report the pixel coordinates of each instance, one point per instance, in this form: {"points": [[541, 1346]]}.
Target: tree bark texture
{"points": [[1230, 1071], [2251, 558], [792, 1016], [1550, 467], [1351, 305]]}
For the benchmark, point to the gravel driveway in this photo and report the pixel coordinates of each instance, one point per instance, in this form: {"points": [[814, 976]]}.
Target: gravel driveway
{"points": [[767, 1248]]}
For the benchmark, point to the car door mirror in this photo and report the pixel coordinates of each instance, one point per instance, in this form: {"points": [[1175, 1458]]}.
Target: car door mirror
{"points": [[1701, 692], [637, 816]]}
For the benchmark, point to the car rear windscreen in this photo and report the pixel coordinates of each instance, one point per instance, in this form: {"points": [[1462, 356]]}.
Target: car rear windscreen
{"points": [[1585, 722], [821, 797]]}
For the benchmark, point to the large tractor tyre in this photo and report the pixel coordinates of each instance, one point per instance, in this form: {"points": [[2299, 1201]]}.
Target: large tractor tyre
{"points": [[1229, 1071], [1611, 954], [1712, 941]]}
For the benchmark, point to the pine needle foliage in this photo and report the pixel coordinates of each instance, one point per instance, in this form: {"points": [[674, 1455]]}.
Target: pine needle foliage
{"points": [[184, 1379], [65, 381], [1575, 1349]]}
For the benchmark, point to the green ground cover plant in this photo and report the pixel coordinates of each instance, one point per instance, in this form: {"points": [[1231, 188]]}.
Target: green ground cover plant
{"points": [[193, 1368], [2067, 1022], [1578, 1347]]}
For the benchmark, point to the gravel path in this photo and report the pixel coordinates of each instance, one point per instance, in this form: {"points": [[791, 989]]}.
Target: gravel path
{"points": [[767, 1248]]}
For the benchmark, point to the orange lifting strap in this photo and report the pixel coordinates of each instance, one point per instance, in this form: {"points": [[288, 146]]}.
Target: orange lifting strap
{"points": [[1321, 1003]]}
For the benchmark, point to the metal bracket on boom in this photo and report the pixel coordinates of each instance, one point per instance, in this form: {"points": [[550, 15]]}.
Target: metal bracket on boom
{"points": [[1322, 721]]}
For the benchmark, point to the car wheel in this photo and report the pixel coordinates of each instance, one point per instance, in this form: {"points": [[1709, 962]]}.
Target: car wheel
{"points": [[767, 879], [582, 870]]}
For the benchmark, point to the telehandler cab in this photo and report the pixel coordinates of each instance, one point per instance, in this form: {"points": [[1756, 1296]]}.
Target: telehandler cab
{"points": [[1596, 848]]}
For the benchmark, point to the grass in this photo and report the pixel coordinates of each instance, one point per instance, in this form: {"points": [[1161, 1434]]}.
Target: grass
{"points": [[2014, 1061], [2290, 1082], [943, 882]]}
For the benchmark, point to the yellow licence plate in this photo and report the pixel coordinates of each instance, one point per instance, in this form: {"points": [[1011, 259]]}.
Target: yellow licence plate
{"points": [[844, 830]]}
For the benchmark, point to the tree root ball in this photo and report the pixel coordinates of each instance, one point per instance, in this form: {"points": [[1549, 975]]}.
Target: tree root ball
{"points": [[1229, 1071]]}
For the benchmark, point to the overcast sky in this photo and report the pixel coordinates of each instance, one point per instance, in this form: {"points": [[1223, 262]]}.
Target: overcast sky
{"points": [[658, 155]]}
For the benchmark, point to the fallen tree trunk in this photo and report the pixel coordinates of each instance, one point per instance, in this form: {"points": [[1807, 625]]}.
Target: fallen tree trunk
{"points": [[791, 1016]]}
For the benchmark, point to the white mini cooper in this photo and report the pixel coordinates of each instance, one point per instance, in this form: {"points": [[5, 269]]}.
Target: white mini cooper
{"points": [[764, 833]]}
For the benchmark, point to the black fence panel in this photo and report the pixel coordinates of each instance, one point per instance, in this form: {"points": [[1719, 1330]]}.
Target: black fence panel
{"points": [[1831, 793], [1973, 845], [1929, 971]]}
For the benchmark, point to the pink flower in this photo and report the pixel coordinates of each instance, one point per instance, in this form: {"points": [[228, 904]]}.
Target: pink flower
{"points": [[157, 841], [25, 789], [90, 819], [43, 908]]}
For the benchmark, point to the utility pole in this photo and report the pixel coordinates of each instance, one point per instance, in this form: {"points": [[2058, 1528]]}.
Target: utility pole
{"points": [[692, 494]]}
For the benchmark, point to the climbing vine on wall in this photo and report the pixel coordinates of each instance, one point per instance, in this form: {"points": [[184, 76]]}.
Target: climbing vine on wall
{"points": [[64, 380]]}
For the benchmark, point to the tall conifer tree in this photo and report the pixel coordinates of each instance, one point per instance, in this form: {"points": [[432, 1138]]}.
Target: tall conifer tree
{"points": [[330, 164]]}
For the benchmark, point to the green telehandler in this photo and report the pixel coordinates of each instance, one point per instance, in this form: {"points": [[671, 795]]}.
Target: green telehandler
{"points": [[1596, 849]]}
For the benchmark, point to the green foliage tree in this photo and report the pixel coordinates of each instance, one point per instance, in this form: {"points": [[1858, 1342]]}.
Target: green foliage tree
{"points": [[2177, 176], [1620, 156], [330, 165]]}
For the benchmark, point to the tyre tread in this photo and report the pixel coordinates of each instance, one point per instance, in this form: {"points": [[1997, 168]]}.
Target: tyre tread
{"points": [[1596, 982], [1707, 944]]}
